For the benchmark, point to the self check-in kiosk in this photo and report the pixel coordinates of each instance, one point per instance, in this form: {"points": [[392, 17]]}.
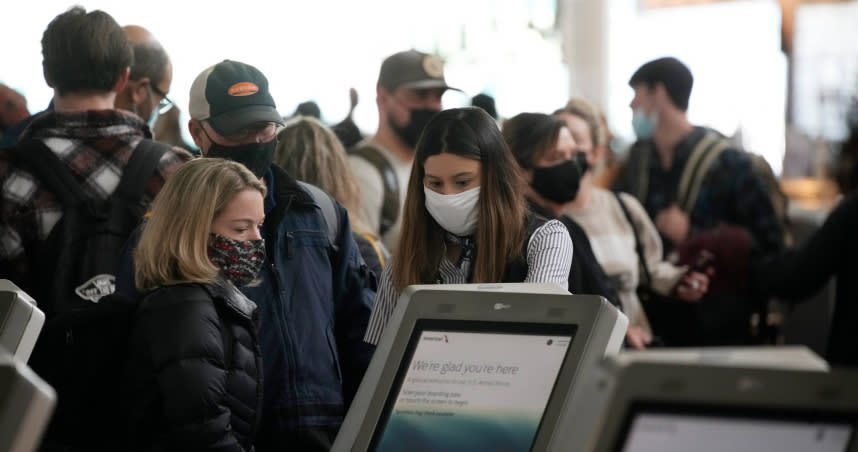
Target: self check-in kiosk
{"points": [[20, 321], [786, 402], [26, 404], [479, 368]]}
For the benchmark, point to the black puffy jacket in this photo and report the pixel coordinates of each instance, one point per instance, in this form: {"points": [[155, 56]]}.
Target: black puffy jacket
{"points": [[194, 379]]}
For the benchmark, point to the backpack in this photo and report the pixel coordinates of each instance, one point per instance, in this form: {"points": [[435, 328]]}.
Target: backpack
{"points": [[704, 154], [329, 212], [82, 348], [82, 355], [75, 265], [390, 203]]}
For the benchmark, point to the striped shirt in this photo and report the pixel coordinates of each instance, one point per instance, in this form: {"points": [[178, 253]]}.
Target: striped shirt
{"points": [[549, 257]]}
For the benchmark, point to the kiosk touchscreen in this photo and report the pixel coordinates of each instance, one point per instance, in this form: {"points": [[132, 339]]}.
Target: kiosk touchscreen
{"points": [[20, 321], [26, 404], [668, 407], [478, 368]]}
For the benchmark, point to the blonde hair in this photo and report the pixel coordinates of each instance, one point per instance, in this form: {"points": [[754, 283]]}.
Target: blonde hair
{"points": [[590, 114], [173, 247], [310, 151]]}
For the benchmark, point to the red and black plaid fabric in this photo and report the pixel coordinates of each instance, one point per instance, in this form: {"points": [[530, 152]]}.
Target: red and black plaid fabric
{"points": [[96, 146]]}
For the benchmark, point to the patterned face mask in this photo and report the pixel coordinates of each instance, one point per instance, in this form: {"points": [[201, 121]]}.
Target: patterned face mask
{"points": [[239, 261]]}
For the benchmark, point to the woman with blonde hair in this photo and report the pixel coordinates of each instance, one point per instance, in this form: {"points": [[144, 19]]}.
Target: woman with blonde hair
{"points": [[194, 376], [311, 152], [465, 218], [624, 239]]}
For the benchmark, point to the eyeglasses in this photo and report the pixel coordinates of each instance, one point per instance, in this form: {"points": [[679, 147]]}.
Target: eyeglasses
{"points": [[261, 132], [166, 103]]}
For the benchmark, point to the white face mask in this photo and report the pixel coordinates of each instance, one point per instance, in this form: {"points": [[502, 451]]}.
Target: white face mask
{"points": [[455, 213]]}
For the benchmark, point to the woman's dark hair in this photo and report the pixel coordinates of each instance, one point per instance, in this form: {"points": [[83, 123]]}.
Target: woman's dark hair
{"points": [[85, 52], [470, 133], [529, 135]]}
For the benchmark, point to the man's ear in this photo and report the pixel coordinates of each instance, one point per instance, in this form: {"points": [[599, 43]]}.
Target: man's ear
{"points": [[382, 96], [196, 130], [47, 77], [660, 94], [138, 90], [122, 81]]}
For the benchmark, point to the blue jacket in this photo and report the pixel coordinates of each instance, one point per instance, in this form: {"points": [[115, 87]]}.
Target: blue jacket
{"points": [[314, 305]]}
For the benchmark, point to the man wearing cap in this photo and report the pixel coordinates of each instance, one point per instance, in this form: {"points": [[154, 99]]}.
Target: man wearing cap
{"points": [[315, 293], [145, 94], [408, 94]]}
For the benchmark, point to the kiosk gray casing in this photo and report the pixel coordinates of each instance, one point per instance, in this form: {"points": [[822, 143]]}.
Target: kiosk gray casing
{"points": [[600, 331], [801, 390], [26, 405], [20, 321]]}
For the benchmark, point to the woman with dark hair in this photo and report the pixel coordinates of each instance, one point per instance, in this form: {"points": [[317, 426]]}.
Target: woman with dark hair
{"points": [[530, 137], [465, 218]]}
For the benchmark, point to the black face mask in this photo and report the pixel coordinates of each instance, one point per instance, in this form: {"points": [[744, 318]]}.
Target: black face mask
{"points": [[410, 133], [256, 157], [560, 183]]}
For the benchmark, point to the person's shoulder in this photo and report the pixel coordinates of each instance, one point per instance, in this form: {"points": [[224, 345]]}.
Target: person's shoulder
{"points": [[173, 155], [848, 207], [731, 154], [550, 227], [180, 153], [628, 199], [19, 182], [7, 162], [176, 295], [363, 158]]}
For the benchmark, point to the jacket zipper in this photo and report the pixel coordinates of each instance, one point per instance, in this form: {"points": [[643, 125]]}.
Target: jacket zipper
{"points": [[291, 373]]}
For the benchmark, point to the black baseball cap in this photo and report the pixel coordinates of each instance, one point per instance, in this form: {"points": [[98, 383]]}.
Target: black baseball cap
{"points": [[231, 96]]}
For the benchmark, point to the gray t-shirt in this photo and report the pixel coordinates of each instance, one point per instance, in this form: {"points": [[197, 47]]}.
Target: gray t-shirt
{"points": [[372, 192]]}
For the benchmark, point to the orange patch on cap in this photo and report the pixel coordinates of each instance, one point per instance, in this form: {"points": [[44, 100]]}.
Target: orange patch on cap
{"points": [[243, 89]]}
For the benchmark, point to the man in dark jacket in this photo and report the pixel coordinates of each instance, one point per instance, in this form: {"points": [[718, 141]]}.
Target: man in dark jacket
{"points": [[315, 294], [690, 180]]}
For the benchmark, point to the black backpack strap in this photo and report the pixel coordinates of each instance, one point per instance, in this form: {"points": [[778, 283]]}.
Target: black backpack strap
{"points": [[50, 170], [390, 204], [141, 165], [638, 244]]}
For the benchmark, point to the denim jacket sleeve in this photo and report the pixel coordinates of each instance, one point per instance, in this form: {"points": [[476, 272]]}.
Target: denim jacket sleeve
{"points": [[354, 294]]}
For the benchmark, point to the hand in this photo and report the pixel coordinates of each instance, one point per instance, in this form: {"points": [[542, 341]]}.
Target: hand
{"points": [[637, 338], [674, 224], [692, 287]]}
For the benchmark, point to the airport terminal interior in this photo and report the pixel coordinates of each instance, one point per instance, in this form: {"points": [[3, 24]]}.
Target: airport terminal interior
{"points": [[392, 225]]}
